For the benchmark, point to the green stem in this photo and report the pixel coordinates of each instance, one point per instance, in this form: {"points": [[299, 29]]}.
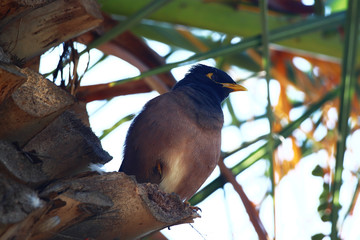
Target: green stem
{"points": [[224, 17], [347, 93], [125, 25], [269, 111], [117, 124], [292, 30]]}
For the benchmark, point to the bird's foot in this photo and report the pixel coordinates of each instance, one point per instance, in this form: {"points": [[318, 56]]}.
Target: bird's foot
{"points": [[193, 208]]}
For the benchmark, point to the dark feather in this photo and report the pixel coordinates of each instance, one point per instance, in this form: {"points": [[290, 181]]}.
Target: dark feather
{"points": [[179, 132]]}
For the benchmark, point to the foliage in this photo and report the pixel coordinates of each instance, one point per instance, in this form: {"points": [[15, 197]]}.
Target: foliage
{"points": [[309, 52]]}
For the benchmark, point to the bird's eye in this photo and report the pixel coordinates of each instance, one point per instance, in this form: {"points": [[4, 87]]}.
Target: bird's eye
{"points": [[209, 75]]}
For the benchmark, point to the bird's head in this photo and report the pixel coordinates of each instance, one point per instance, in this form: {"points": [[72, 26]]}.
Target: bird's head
{"points": [[211, 79]]}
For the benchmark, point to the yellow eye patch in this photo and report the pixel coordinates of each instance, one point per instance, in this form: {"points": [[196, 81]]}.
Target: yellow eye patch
{"points": [[209, 75]]}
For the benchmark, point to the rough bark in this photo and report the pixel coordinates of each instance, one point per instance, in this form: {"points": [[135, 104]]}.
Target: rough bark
{"points": [[46, 143], [29, 28], [65, 141], [45, 197], [108, 206], [11, 78], [31, 108]]}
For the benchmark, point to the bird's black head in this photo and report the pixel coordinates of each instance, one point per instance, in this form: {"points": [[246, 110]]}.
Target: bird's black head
{"points": [[214, 82]]}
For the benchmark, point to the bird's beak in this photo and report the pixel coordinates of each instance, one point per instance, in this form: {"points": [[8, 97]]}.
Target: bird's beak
{"points": [[234, 87]]}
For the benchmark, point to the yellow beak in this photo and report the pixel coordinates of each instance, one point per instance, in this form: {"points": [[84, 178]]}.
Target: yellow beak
{"points": [[234, 87]]}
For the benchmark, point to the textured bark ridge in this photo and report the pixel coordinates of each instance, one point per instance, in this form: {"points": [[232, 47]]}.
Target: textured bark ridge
{"points": [[46, 144], [107, 206], [46, 189]]}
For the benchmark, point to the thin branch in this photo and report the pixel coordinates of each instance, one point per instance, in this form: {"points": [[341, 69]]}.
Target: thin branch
{"points": [[261, 152], [250, 208], [347, 93], [117, 124], [354, 199], [244, 145], [269, 111]]}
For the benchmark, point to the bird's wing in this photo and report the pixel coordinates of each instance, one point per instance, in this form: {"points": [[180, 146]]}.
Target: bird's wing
{"points": [[152, 131], [167, 131]]}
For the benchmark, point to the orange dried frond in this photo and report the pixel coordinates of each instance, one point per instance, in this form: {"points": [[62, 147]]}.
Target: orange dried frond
{"points": [[286, 156], [327, 78], [279, 70], [355, 111], [256, 57], [278, 123], [352, 207], [328, 143], [312, 90], [327, 120], [331, 71], [283, 107], [297, 152]]}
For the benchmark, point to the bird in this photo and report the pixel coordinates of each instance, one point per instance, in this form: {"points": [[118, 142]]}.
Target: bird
{"points": [[175, 140]]}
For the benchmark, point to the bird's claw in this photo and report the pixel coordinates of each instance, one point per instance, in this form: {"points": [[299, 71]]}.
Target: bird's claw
{"points": [[193, 208]]}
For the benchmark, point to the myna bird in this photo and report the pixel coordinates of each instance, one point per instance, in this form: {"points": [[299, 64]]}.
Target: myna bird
{"points": [[175, 140]]}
